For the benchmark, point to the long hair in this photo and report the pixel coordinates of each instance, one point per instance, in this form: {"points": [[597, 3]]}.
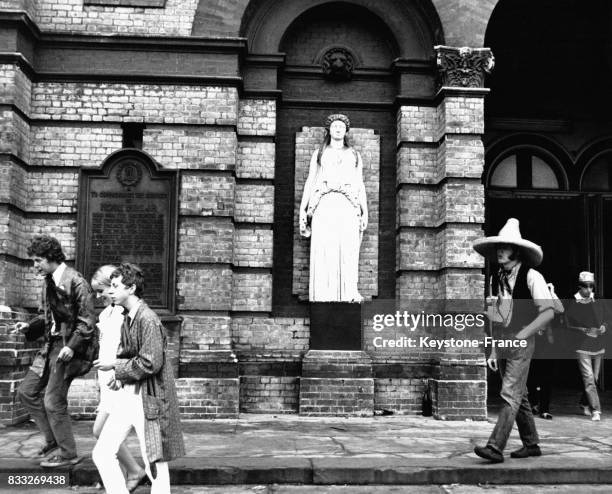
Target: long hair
{"points": [[327, 140]]}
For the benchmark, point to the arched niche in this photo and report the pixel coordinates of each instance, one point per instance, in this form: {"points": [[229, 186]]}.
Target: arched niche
{"points": [[415, 26], [128, 213], [549, 163]]}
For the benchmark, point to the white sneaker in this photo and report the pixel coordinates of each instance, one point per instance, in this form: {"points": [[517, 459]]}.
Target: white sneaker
{"points": [[596, 415], [586, 410]]}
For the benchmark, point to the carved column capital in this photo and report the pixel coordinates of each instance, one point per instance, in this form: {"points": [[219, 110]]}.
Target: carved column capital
{"points": [[463, 67]]}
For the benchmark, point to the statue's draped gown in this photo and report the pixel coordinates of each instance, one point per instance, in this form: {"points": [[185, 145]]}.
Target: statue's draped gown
{"points": [[335, 218]]}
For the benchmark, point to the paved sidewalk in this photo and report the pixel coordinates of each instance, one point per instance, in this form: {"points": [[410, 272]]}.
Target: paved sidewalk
{"points": [[392, 450]]}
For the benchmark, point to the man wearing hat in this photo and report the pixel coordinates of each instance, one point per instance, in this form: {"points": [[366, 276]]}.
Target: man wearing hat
{"points": [[523, 305], [589, 318]]}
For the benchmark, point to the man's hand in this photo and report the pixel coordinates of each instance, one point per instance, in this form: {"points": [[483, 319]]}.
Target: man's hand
{"points": [[103, 366], [492, 363], [65, 354], [20, 327]]}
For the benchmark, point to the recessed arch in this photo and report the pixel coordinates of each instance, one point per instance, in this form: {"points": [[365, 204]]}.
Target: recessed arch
{"points": [[546, 153], [416, 27], [595, 165]]}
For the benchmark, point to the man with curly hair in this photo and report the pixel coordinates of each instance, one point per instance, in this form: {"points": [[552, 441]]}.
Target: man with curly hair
{"points": [[66, 324]]}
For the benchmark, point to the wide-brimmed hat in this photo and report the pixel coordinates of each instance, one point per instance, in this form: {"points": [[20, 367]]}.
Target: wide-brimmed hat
{"points": [[531, 253]]}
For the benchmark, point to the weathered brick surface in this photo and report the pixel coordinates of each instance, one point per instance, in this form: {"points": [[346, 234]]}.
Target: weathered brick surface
{"points": [[205, 240], [151, 103], [268, 334], [83, 397], [367, 143], [13, 184], [207, 398], [418, 164], [257, 117], [252, 292], [460, 115], [401, 396], [255, 160], [202, 194], [459, 399], [204, 287], [460, 284], [15, 87], [253, 247], [254, 203], [460, 202], [433, 249], [14, 240], [175, 19], [418, 124], [461, 156], [269, 394], [329, 396], [206, 332], [14, 135], [194, 148], [52, 192], [38, 191], [73, 146], [11, 284], [418, 285]]}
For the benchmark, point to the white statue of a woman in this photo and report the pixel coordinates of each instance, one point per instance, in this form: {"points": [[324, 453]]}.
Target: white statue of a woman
{"points": [[334, 213]]}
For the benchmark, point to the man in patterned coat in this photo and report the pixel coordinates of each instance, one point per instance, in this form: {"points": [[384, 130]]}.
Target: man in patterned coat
{"points": [[67, 326], [147, 400]]}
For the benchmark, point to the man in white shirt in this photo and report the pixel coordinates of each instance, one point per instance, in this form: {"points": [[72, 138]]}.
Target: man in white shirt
{"points": [[524, 305], [67, 325]]}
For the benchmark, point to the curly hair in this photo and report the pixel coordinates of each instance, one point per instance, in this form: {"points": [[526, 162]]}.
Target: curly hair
{"points": [[47, 247], [130, 274]]}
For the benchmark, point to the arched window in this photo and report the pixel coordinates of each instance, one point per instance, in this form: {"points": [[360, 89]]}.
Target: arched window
{"points": [[525, 169], [597, 175]]}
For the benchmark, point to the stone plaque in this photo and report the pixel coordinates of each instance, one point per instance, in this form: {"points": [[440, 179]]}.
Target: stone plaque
{"points": [[127, 213]]}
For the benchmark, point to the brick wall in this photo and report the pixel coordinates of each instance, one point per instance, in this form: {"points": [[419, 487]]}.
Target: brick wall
{"points": [[150, 103], [269, 394], [175, 19], [402, 396], [207, 398]]}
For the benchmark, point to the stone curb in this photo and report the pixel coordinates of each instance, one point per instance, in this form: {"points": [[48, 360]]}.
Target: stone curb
{"points": [[352, 471]]}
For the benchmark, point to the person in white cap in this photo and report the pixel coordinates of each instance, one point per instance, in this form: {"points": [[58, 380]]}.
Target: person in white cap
{"points": [[524, 305], [589, 317]]}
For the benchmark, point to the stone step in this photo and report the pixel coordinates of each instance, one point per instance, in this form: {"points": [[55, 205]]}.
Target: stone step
{"points": [[355, 471]]}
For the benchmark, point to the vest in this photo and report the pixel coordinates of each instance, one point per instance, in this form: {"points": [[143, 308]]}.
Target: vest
{"points": [[523, 309]]}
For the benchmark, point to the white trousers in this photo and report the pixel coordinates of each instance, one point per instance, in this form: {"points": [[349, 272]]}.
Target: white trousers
{"points": [[126, 413]]}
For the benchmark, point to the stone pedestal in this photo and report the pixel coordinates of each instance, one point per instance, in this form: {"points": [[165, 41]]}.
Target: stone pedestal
{"points": [[460, 391], [337, 383], [209, 384], [335, 326]]}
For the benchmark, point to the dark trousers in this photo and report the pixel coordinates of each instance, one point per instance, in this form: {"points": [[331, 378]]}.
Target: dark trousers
{"points": [[46, 399], [514, 368], [540, 383]]}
